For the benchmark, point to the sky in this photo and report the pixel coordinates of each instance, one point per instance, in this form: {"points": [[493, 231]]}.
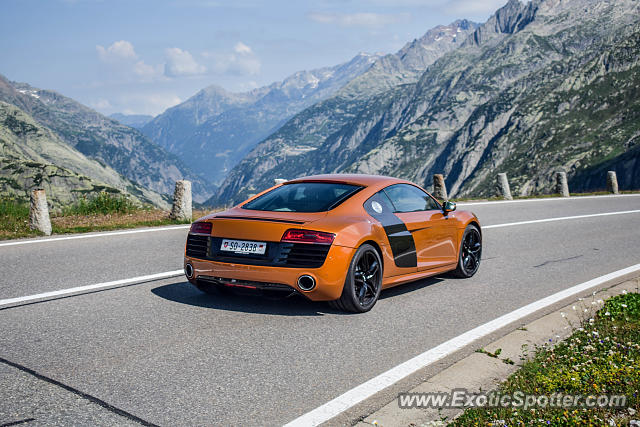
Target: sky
{"points": [[143, 56]]}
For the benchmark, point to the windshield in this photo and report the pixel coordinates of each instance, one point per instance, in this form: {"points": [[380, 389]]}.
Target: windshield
{"points": [[303, 197]]}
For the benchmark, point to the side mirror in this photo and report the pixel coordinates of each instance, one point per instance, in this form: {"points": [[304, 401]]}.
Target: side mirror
{"points": [[448, 207]]}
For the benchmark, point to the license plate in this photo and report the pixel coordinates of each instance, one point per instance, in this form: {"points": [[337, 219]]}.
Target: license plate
{"points": [[243, 246]]}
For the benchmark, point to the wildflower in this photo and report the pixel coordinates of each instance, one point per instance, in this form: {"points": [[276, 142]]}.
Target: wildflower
{"points": [[607, 314], [562, 314], [574, 308], [623, 305], [624, 292]]}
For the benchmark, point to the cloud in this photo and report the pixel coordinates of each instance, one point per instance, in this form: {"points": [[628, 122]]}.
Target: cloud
{"points": [[122, 59], [119, 51], [361, 19], [242, 49], [242, 61], [181, 63], [146, 71]]}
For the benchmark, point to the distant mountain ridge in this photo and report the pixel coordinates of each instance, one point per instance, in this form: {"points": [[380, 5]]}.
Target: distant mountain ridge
{"points": [[214, 129], [133, 120], [123, 148], [542, 86], [311, 128]]}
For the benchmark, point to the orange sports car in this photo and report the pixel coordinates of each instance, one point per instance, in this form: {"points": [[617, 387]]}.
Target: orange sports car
{"points": [[337, 238]]}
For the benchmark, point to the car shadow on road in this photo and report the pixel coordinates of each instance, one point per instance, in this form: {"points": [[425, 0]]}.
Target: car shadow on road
{"points": [[410, 287], [295, 305]]}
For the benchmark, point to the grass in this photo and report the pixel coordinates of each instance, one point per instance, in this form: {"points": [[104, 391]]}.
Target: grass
{"points": [[602, 356], [99, 213], [14, 219]]}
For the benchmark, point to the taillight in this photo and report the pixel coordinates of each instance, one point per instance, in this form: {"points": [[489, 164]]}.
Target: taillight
{"points": [[201, 227], [308, 236]]}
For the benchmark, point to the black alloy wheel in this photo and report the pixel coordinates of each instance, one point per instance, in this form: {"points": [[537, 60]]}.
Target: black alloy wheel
{"points": [[364, 281], [470, 252]]}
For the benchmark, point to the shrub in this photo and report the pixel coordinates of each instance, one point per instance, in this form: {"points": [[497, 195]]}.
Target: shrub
{"points": [[102, 203]]}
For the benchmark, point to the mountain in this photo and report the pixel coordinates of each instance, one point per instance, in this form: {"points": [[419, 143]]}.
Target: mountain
{"points": [[124, 149], [132, 120], [309, 129], [542, 86], [33, 156], [214, 129]]}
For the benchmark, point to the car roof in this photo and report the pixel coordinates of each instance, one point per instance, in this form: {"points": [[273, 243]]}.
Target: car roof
{"points": [[357, 179]]}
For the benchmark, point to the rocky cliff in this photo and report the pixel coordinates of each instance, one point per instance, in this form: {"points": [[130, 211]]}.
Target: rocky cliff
{"points": [[32, 156], [123, 148]]}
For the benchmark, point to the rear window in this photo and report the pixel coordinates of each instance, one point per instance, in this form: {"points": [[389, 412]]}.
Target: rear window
{"points": [[303, 197]]}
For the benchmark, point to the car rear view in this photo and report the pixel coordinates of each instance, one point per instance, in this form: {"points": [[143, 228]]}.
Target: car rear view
{"points": [[269, 243]]}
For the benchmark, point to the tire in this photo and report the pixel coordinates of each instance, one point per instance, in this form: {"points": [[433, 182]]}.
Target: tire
{"points": [[364, 282], [470, 253]]}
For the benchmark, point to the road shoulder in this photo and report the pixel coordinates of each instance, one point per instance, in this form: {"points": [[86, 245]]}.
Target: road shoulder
{"points": [[482, 371]]}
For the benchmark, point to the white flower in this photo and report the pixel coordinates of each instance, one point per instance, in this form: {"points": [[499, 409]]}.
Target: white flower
{"points": [[600, 301], [562, 314], [607, 314], [574, 308], [624, 291], [595, 333], [585, 310], [623, 305]]}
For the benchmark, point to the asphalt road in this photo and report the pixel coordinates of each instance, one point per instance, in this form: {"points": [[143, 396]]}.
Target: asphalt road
{"points": [[162, 352]]}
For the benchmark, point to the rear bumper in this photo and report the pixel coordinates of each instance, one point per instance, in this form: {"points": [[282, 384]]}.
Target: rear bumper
{"points": [[329, 277]]}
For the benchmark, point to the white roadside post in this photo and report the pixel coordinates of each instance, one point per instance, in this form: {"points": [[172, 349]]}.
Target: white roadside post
{"points": [[562, 186], [612, 182], [39, 212], [502, 184], [439, 187], [182, 209]]}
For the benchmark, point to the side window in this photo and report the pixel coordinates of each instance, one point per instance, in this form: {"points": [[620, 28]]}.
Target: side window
{"points": [[407, 198]]}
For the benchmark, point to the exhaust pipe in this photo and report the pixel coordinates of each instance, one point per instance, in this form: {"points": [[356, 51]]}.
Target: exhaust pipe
{"points": [[188, 271], [306, 282]]}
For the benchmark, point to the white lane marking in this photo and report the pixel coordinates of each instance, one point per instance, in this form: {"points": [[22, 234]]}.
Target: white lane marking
{"points": [[91, 287], [362, 392], [179, 272], [545, 199], [88, 236], [561, 218]]}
